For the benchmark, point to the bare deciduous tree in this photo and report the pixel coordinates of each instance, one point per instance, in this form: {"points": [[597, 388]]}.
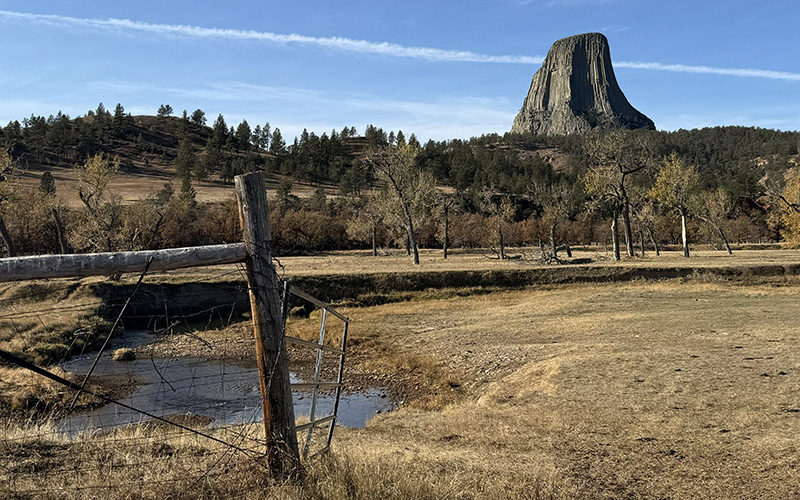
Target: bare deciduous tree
{"points": [[614, 156], [447, 204], [367, 216], [713, 207], [7, 166], [409, 191], [501, 210], [559, 201]]}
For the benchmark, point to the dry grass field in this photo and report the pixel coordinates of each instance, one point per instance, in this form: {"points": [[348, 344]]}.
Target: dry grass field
{"points": [[681, 389], [395, 260], [640, 390]]}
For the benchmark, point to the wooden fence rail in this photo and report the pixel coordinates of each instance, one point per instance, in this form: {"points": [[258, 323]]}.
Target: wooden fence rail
{"points": [[265, 301], [106, 264]]}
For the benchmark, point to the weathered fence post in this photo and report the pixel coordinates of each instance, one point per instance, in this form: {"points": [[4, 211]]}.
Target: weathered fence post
{"points": [[265, 304]]}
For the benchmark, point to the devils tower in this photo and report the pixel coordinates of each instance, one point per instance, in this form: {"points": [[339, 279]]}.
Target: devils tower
{"points": [[575, 91]]}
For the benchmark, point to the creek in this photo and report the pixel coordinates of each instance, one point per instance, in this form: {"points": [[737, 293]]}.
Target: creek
{"points": [[221, 392]]}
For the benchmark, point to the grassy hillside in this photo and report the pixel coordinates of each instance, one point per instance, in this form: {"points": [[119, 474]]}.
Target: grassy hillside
{"points": [[147, 151]]}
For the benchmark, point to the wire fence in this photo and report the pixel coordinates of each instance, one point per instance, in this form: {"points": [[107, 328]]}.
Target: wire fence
{"points": [[173, 398]]}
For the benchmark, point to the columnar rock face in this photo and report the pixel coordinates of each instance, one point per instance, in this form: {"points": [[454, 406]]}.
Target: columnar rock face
{"points": [[575, 91]]}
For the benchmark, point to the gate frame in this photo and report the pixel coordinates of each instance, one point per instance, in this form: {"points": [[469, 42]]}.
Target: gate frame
{"points": [[320, 347]]}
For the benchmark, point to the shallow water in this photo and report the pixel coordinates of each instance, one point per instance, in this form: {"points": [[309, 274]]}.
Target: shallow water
{"points": [[225, 392]]}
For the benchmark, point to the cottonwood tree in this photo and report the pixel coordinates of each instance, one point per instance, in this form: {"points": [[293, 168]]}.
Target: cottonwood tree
{"points": [[47, 190], [98, 223], [786, 203], [601, 186], [643, 217], [141, 228], [28, 213], [368, 214], [501, 211], [613, 157], [559, 202], [675, 186], [409, 191], [713, 207], [445, 206]]}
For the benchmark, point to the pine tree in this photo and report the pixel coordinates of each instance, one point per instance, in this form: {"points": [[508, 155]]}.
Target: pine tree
{"points": [[198, 117], [277, 145], [119, 119], [165, 110], [220, 132], [243, 136]]}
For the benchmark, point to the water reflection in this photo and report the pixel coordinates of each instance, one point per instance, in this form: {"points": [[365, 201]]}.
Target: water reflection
{"points": [[221, 391]]}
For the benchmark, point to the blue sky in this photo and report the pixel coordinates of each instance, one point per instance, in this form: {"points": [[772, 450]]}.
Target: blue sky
{"points": [[439, 69]]}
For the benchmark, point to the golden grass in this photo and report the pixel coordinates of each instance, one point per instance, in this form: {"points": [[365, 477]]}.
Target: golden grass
{"points": [[683, 389], [42, 321], [356, 262], [151, 462], [24, 392], [638, 390]]}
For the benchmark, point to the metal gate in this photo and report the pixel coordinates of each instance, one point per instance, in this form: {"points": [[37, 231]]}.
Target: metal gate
{"points": [[316, 421]]}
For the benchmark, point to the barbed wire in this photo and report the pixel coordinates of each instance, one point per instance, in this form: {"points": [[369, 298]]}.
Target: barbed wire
{"points": [[221, 424]]}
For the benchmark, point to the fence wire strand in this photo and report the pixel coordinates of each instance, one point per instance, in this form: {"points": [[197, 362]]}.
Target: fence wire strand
{"points": [[188, 402]]}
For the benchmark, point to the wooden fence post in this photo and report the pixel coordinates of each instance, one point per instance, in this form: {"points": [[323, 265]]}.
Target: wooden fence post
{"points": [[265, 304]]}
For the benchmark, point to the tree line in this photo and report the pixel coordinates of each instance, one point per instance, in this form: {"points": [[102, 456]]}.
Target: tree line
{"points": [[635, 190]]}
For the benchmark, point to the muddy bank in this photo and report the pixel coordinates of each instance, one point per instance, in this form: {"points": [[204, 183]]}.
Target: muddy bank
{"points": [[54, 321], [154, 304]]}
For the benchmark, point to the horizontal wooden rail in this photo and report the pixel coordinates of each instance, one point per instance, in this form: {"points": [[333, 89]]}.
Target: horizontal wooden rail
{"points": [[106, 264], [318, 303], [313, 345], [315, 423]]}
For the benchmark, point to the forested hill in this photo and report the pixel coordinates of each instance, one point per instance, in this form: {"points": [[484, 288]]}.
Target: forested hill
{"points": [[109, 180], [732, 157]]}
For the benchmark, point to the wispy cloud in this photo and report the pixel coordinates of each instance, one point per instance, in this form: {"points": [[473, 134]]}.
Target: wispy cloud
{"points": [[613, 28], [710, 70], [349, 45], [334, 43]]}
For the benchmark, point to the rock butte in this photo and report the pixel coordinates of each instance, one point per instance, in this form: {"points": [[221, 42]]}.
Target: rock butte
{"points": [[575, 91]]}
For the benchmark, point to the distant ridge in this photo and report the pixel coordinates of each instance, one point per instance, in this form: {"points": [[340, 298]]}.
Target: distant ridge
{"points": [[575, 91]]}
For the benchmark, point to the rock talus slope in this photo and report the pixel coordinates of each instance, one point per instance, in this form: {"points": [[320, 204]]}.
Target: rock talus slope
{"points": [[575, 91]]}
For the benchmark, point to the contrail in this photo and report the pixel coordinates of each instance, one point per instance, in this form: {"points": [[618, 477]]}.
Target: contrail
{"points": [[709, 70], [351, 45]]}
